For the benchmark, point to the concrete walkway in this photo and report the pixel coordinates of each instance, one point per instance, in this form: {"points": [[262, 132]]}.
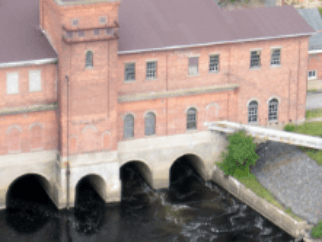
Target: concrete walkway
{"points": [[313, 100], [293, 177]]}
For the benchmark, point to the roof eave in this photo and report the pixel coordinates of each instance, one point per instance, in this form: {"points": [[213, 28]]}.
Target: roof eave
{"points": [[213, 43], [29, 63]]}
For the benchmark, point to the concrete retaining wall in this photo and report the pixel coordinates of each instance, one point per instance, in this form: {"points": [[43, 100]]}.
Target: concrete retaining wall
{"points": [[266, 209]]}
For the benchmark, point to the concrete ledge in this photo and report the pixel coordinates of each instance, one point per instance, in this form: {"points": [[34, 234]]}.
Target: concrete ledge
{"points": [[28, 109], [266, 209], [176, 93]]}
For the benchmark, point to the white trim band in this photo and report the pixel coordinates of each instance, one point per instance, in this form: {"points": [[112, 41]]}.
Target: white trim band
{"points": [[315, 51], [28, 63]]}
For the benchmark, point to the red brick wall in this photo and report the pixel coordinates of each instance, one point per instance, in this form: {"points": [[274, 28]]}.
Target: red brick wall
{"points": [[48, 94], [315, 63], [28, 132]]}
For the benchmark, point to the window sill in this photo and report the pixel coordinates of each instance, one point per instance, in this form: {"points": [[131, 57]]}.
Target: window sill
{"points": [[89, 68], [255, 68], [191, 130], [254, 123], [272, 121], [129, 81], [151, 135], [193, 75], [128, 138], [151, 79], [213, 72], [312, 78], [276, 66], [34, 91]]}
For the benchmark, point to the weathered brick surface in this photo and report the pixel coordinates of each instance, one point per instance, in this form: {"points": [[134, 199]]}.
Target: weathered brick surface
{"points": [[315, 63], [95, 119]]}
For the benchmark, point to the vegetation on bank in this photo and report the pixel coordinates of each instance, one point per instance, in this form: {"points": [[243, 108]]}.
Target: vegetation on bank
{"points": [[236, 161], [317, 231], [314, 129], [315, 113], [320, 10]]}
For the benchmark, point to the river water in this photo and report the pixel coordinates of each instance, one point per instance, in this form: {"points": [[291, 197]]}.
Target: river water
{"points": [[190, 210]]}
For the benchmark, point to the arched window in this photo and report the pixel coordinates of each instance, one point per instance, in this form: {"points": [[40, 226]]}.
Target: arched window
{"points": [[128, 126], [272, 109], [192, 118], [89, 59], [252, 112], [149, 123]]}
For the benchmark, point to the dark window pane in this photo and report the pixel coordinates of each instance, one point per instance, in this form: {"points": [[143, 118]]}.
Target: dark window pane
{"points": [[192, 118], [128, 126], [130, 71], [149, 124]]}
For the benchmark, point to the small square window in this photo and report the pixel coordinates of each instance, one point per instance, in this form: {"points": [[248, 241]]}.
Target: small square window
{"points": [[35, 81], [109, 31], [13, 83], [81, 33], [276, 57], [96, 32], [75, 22], [193, 66], [102, 20], [214, 63], [312, 74], [69, 34], [130, 72], [255, 59], [151, 70]]}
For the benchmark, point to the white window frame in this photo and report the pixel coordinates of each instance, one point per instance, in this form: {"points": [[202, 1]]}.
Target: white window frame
{"points": [[10, 88], [279, 57], [311, 77], [38, 85], [259, 59], [151, 73], [214, 65]]}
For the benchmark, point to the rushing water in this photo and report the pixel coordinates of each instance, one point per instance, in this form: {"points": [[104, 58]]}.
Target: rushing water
{"points": [[190, 210]]}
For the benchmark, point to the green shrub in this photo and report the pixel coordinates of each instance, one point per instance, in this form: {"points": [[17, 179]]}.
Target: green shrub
{"points": [[240, 154], [289, 127], [317, 231]]}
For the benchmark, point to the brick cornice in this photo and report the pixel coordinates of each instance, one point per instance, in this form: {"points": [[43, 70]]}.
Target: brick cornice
{"points": [[176, 93], [28, 109]]}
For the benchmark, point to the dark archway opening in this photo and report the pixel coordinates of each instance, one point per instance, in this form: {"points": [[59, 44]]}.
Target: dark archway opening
{"points": [[29, 207], [89, 204], [187, 180], [136, 180]]}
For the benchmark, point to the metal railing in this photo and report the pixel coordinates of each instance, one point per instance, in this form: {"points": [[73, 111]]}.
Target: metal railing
{"points": [[267, 134]]}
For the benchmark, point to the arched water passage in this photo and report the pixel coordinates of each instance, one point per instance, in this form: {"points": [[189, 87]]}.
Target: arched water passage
{"points": [[89, 202], [187, 179], [137, 181], [28, 204]]}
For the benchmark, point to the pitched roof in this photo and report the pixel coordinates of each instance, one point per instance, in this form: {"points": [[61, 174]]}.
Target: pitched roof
{"points": [[21, 39], [161, 24], [313, 18]]}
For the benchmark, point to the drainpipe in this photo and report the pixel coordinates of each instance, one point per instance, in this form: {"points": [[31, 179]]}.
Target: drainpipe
{"points": [[67, 162]]}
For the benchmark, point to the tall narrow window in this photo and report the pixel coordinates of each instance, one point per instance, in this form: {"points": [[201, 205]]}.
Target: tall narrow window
{"points": [[193, 65], [192, 119], [214, 63], [89, 59], [252, 112], [130, 72], [311, 74], [255, 60], [12, 83], [128, 126], [151, 70], [276, 57], [272, 110], [149, 124], [35, 81]]}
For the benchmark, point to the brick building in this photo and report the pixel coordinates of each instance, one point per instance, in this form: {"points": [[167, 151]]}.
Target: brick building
{"points": [[80, 76]]}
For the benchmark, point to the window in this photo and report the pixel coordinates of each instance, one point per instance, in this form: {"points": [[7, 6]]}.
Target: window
{"points": [[151, 70], [75, 22], [214, 63], [109, 31], [276, 57], [255, 58], [312, 74], [192, 119], [130, 72], [272, 110], [89, 59], [81, 33], [252, 112], [193, 66], [35, 81], [128, 126], [102, 20], [12, 83], [96, 31], [149, 124], [69, 34]]}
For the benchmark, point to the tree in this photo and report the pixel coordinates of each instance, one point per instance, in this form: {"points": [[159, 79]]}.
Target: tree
{"points": [[240, 154]]}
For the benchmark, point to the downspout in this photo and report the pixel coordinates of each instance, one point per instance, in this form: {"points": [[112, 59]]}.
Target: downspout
{"points": [[289, 96], [298, 81], [166, 88]]}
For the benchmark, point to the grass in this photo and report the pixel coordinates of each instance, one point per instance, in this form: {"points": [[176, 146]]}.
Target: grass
{"points": [[250, 181], [317, 231], [315, 113]]}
